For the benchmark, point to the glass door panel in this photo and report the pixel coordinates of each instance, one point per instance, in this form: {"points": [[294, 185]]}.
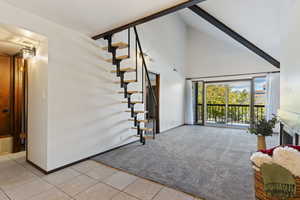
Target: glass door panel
{"points": [[260, 97], [228, 103], [216, 103], [199, 103], [239, 102]]}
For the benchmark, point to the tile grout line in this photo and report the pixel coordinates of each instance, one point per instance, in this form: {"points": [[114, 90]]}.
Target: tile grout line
{"points": [[143, 178], [102, 181], [73, 197], [123, 191], [79, 174], [60, 189], [157, 193], [5, 193], [19, 164], [97, 182], [63, 192], [41, 178]]}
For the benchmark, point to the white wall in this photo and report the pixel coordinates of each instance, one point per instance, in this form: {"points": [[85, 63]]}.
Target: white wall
{"points": [[210, 56], [37, 86], [75, 110], [164, 40], [37, 105], [189, 103], [290, 63]]}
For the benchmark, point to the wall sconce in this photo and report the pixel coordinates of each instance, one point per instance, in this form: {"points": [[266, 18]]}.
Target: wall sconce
{"points": [[27, 52]]}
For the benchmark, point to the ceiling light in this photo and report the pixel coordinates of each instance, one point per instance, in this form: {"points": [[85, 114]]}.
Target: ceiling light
{"points": [[27, 52]]}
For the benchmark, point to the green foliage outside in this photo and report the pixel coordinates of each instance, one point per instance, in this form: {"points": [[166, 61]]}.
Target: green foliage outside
{"points": [[216, 94]]}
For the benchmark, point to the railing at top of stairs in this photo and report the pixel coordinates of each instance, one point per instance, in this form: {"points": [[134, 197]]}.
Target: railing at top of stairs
{"points": [[144, 67], [145, 76]]}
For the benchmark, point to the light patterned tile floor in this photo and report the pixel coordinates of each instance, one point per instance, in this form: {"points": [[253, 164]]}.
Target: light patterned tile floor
{"points": [[87, 180]]}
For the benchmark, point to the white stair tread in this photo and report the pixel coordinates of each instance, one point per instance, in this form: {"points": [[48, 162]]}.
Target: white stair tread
{"points": [[133, 102], [126, 81], [144, 129], [139, 120], [127, 69], [118, 57], [145, 136], [137, 111], [130, 92], [119, 45]]}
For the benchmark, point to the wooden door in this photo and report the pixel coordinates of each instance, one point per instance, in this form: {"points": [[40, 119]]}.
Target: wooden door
{"points": [[19, 103], [5, 97]]}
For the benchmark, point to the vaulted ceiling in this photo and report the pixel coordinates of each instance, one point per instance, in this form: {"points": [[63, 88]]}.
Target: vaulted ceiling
{"points": [[256, 20], [92, 16]]}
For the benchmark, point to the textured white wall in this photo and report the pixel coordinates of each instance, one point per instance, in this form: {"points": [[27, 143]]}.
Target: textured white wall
{"points": [[189, 105], [74, 108], [37, 106], [164, 40], [210, 56], [290, 63], [74, 105], [38, 82]]}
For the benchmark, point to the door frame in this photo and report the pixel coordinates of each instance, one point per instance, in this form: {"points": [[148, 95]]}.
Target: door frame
{"points": [[157, 95], [196, 93], [158, 103], [204, 83], [18, 99], [19, 103], [10, 94]]}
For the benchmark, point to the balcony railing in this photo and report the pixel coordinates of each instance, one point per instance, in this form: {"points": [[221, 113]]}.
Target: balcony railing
{"points": [[237, 114]]}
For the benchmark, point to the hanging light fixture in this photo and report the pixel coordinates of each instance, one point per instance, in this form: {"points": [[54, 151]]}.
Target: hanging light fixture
{"points": [[28, 52]]}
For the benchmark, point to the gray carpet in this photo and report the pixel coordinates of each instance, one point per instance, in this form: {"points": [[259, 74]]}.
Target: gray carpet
{"points": [[212, 163]]}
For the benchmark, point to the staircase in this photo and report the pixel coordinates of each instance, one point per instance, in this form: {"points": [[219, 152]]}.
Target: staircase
{"points": [[134, 117]]}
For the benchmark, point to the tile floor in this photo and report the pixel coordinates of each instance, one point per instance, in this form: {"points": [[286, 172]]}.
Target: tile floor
{"points": [[88, 180]]}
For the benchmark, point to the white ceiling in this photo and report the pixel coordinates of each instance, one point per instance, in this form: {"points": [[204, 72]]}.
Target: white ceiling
{"points": [[256, 20], [12, 39], [92, 16]]}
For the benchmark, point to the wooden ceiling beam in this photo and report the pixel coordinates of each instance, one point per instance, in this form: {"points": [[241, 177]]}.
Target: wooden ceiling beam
{"points": [[221, 26], [149, 18]]}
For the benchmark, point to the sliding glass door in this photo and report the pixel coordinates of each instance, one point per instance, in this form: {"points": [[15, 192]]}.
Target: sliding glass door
{"points": [[239, 103], [259, 98], [199, 102], [230, 103], [216, 103]]}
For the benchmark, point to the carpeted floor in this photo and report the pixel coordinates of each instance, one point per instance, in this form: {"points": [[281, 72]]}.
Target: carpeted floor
{"points": [[212, 163]]}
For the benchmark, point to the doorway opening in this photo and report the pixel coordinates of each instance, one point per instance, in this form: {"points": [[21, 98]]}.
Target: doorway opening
{"points": [[13, 102], [18, 48], [153, 109], [232, 103]]}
